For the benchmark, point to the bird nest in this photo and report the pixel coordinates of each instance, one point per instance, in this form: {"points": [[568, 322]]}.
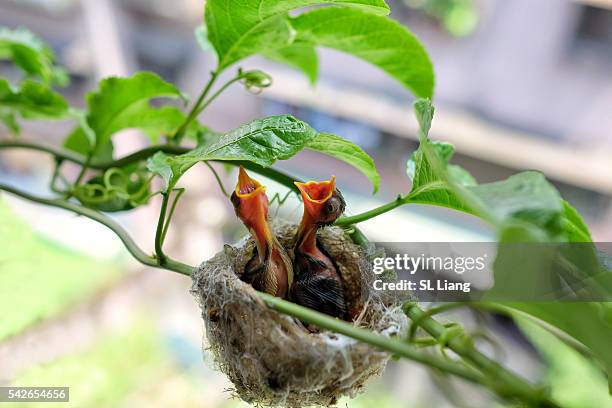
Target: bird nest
{"points": [[271, 358]]}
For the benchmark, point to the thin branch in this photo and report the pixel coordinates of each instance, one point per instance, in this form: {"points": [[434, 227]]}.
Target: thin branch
{"points": [[507, 384], [129, 243], [219, 182], [140, 155], [159, 252], [219, 92], [345, 221], [179, 193], [178, 135]]}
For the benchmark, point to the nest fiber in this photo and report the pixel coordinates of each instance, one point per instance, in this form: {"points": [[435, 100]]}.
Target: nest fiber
{"points": [[272, 359]]}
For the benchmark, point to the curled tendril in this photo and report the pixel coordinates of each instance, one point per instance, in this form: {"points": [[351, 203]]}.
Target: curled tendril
{"points": [[116, 190], [255, 81]]}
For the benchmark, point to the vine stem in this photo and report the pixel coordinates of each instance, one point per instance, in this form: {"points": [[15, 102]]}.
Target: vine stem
{"points": [[346, 221], [507, 383], [129, 243], [273, 174], [159, 242], [219, 92], [178, 135]]}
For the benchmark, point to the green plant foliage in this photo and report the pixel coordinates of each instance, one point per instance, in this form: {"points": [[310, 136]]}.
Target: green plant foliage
{"points": [[525, 208], [574, 381], [31, 100], [348, 152], [584, 321], [428, 187], [262, 141], [379, 40], [115, 190], [30, 54], [300, 56], [201, 35], [526, 201], [123, 103], [240, 29], [109, 371], [40, 279]]}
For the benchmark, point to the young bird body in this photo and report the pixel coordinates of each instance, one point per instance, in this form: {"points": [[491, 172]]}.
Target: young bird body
{"points": [[270, 270], [317, 283]]}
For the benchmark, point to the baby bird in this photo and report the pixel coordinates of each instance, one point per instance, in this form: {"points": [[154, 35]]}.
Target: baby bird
{"points": [[317, 283], [270, 270]]}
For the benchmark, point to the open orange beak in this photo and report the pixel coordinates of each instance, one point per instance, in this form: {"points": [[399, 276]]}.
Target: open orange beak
{"points": [[251, 206], [316, 195]]}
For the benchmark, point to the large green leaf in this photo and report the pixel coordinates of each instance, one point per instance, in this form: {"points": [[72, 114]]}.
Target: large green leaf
{"points": [[377, 39], [31, 101], [427, 185], [300, 56], [122, 103], [28, 52], [573, 378], [348, 152], [586, 322], [239, 28], [262, 141], [526, 199]]}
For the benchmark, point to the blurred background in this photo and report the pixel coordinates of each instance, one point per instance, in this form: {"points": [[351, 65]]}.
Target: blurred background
{"points": [[521, 84]]}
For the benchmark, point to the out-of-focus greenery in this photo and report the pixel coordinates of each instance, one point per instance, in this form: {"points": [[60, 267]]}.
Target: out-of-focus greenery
{"points": [[459, 17], [574, 380], [105, 374], [38, 278]]}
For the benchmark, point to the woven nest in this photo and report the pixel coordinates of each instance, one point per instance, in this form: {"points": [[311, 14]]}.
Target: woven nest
{"points": [[271, 358]]}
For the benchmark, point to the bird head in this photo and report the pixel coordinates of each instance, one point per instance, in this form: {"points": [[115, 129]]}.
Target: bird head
{"points": [[323, 203], [251, 206]]}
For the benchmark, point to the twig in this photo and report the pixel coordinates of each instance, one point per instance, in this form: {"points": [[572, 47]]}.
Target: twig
{"points": [[129, 243]]}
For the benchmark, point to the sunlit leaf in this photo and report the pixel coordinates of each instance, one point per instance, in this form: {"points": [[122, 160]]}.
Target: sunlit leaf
{"points": [[348, 152], [238, 29], [300, 56], [29, 53], [379, 40], [31, 100], [262, 141], [122, 103]]}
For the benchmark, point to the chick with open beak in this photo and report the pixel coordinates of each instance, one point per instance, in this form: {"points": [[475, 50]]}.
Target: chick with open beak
{"points": [[270, 270], [318, 283]]}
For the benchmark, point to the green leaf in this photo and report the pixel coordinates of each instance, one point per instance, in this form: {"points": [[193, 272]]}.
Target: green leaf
{"points": [[526, 196], [575, 225], [525, 203], [10, 121], [582, 321], [238, 28], [31, 101], [162, 165], [262, 141], [379, 40], [79, 142], [201, 35], [28, 52], [300, 56], [348, 152], [574, 380], [428, 186], [122, 103]]}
